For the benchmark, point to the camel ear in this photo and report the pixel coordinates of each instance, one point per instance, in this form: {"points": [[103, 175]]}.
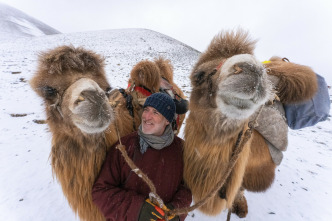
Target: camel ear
{"points": [[198, 78]]}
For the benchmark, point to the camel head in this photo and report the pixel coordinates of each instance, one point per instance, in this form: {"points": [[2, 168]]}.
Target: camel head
{"points": [[149, 77], [74, 87], [242, 86], [157, 76], [146, 75], [229, 79], [153, 76]]}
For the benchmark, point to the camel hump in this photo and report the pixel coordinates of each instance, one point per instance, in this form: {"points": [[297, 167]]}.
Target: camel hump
{"points": [[68, 58]]}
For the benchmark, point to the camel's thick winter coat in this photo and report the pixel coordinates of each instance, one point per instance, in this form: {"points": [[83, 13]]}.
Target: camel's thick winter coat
{"points": [[76, 157], [227, 88], [83, 120]]}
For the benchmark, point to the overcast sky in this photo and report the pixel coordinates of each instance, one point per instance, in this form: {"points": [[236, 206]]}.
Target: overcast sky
{"points": [[298, 29]]}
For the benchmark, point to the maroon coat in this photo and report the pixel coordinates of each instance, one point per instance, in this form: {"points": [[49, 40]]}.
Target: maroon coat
{"points": [[119, 193]]}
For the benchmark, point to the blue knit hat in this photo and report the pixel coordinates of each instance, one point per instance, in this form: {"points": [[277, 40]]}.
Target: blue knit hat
{"points": [[163, 103]]}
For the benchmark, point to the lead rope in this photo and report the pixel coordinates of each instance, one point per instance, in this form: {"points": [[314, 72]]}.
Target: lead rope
{"points": [[229, 214], [155, 198], [237, 150]]}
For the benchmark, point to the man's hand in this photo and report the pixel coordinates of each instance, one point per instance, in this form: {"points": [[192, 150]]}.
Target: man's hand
{"points": [[151, 212]]}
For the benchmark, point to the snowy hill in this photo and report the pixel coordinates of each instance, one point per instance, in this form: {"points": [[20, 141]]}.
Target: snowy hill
{"points": [[15, 24], [301, 191]]}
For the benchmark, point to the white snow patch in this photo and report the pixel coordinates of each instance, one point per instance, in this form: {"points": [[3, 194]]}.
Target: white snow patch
{"points": [[26, 26]]}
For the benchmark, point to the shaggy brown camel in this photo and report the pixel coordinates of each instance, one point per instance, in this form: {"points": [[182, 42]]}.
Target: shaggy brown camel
{"points": [[145, 78], [82, 113], [229, 85]]}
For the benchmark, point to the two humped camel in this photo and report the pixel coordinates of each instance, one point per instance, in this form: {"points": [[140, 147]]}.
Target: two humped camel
{"points": [[84, 115], [229, 85]]}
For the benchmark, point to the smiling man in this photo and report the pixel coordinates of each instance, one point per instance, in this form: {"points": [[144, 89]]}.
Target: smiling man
{"points": [[153, 122], [119, 193]]}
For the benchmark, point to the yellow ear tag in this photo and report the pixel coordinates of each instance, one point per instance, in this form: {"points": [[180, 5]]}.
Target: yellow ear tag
{"points": [[266, 62]]}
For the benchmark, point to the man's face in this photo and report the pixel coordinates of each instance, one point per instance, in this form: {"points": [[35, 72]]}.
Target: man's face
{"points": [[153, 122]]}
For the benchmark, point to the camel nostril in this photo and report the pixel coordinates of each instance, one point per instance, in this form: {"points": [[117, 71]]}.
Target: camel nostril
{"points": [[237, 69], [81, 98]]}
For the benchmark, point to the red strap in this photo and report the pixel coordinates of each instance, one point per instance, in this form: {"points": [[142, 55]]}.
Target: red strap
{"points": [[220, 65], [141, 90]]}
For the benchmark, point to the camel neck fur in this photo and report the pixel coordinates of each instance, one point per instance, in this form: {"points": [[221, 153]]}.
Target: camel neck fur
{"points": [[215, 126], [76, 161]]}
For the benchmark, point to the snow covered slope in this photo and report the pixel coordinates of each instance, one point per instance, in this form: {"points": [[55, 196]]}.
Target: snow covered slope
{"points": [[15, 24], [302, 189]]}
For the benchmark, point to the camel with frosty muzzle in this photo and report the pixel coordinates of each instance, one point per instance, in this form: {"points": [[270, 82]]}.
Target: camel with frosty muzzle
{"points": [[85, 115], [230, 88]]}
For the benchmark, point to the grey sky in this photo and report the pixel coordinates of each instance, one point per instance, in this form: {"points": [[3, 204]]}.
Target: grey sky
{"points": [[299, 30]]}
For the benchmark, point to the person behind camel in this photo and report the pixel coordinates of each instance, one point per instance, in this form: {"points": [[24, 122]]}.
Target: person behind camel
{"points": [[119, 193]]}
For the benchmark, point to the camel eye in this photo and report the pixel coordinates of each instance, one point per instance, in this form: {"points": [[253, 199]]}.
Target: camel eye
{"points": [[49, 92], [108, 91], [199, 77]]}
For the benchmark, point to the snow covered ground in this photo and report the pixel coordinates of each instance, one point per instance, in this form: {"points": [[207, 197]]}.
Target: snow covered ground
{"points": [[302, 188]]}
